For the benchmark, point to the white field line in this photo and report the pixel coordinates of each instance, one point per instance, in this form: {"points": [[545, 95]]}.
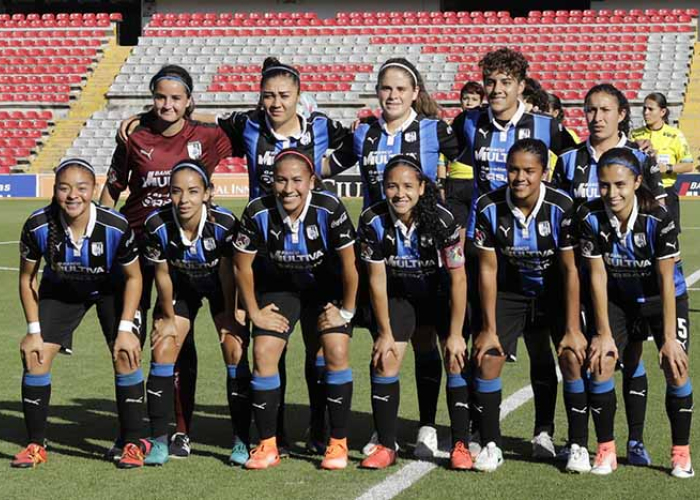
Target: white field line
{"points": [[8, 242]]}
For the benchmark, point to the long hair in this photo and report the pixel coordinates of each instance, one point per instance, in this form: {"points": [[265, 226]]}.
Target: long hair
{"points": [[424, 103], [178, 74], [661, 101], [626, 158], [555, 105], [622, 102]]}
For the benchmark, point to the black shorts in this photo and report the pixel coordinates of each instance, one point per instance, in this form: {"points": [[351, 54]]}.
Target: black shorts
{"points": [[458, 197], [59, 316], [519, 314], [405, 315], [306, 306], [634, 322], [187, 304]]}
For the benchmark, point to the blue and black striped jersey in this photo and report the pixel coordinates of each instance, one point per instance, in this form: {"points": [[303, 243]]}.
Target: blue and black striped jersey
{"points": [[630, 257], [296, 255], [86, 267], [193, 264], [526, 247], [252, 136]]}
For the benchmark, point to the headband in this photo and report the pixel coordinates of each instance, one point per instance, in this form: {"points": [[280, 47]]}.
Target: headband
{"points": [[172, 78], [281, 67], [192, 166], [403, 67], [620, 161], [404, 160], [297, 154], [74, 161]]}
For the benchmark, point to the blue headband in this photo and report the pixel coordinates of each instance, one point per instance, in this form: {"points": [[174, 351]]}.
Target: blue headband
{"points": [[74, 161], [192, 166], [620, 161], [172, 78], [282, 67]]}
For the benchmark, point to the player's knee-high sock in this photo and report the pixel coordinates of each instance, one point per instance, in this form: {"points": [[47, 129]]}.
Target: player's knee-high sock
{"points": [[130, 405], [160, 392], [603, 406], [488, 404], [266, 399], [576, 404], [471, 387], [458, 407], [282, 371], [428, 367], [635, 389], [338, 398], [679, 407], [185, 384], [36, 394], [543, 377], [238, 395], [314, 370], [386, 392]]}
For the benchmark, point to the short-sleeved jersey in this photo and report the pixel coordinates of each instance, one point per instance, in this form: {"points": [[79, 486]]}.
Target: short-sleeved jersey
{"points": [[670, 145], [419, 137], [192, 264], [527, 249], [576, 172], [144, 162], [87, 267], [300, 255], [413, 261], [252, 137], [630, 258], [485, 144]]}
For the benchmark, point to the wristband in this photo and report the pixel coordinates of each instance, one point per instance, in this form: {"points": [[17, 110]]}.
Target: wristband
{"points": [[669, 169], [347, 315], [126, 326], [33, 328], [440, 183]]}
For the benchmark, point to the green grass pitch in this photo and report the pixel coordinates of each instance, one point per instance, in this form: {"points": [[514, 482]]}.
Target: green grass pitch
{"points": [[83, 422]]}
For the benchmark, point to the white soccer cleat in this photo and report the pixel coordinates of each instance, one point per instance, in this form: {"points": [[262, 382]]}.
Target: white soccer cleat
{"points": [[490, 458], [543, 446], [474, 445], [426, 443], [578, 461], [368, 449], [680, 460]]}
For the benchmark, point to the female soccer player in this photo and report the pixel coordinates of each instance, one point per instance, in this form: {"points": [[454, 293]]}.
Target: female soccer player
{"points": [[630, 244], [526, 268], [142, 162], [415, 263], [295, 261], [190, 242], [91, 259], [672, 151]]}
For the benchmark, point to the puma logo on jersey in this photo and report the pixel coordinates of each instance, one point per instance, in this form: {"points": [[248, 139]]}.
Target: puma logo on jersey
{"points": [[134, 400], [34, 402], [260, 406], [391, 238], [147, 154], [381, 398], [582, 168], [372, 140], [504, 230], [484, 133], [672, 245], [345, 235], [459, 404], [276, 234], [338, 401], [597, 410], [641, 394], [157, 394], [579, 410], [606, 236]]}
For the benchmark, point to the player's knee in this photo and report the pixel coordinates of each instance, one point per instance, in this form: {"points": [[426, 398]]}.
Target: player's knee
{"points": [[569, 364], [164, 351], [336, 355]]}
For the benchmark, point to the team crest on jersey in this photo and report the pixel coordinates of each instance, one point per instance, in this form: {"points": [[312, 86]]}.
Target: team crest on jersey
{"points": [[587, 249], [305, 139], [366, 251], [544, 228], [312, 232], [640, 239], [410, 137], [479, 236], [524, 133], [209, 244], [242, 241], [97, 248], [194, 149]]}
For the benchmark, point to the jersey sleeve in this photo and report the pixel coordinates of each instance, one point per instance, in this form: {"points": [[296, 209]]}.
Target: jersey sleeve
{"points": [[344, 156], [153, 247], [128, 249], [559, 179], [229, 237], [452, 250], [223, 144], [248, 237], [458, 128], [337, 134], [370, 245], [651, 174], [560, 140], [667, 245], [232, 126], [448, 140], [682, 149], [341, 230], [28, 246], [588, 238], [567, 233], [118, 173], [483, 233]]}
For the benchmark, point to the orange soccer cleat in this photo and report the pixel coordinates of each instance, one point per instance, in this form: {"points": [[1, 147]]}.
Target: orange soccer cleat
{"points": [[264, 456], [336, 456], [33, 455], [460, 459], [381, 458]]}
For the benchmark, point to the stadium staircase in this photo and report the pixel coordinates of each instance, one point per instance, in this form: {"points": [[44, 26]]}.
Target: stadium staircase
{"points": [[690, 119]]}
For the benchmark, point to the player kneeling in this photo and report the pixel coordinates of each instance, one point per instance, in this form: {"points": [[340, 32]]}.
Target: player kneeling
{"points": [[295, 261], [91, 259], [416, 273], [630, 244]]}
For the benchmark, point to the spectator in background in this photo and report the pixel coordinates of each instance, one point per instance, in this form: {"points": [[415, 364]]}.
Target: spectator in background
{"points": [[471, 96], [556, 111]]}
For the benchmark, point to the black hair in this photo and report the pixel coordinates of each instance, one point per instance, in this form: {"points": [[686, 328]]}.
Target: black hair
{"points": [[533, 146], [203, 174], [555, 105], [273, 68], [538, 98], [424, 103], [622, 102], [299, 155], [426, 212], [661, 101], [177, 73], [472, 88], [625, 157], [507, 61]]}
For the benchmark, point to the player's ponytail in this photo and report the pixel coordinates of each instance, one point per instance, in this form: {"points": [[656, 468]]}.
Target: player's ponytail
{"points": [[626, 158], [622, 102], [424, 103]]}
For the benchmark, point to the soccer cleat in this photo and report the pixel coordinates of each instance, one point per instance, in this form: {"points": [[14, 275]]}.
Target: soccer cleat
{"points": [[460, 459], [282, 446], [381, 458], [637, 454], [368, 449], [578, 460], [33, 455], [114, 454], [543, 446], [336, 456], [132, 457], [605, 460], [474, 445], [264, 456], [564, 452], [314, 446], [680, 461], [239, 452], [158, 454], [180, 445], [490, 458], [426, 442]]}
